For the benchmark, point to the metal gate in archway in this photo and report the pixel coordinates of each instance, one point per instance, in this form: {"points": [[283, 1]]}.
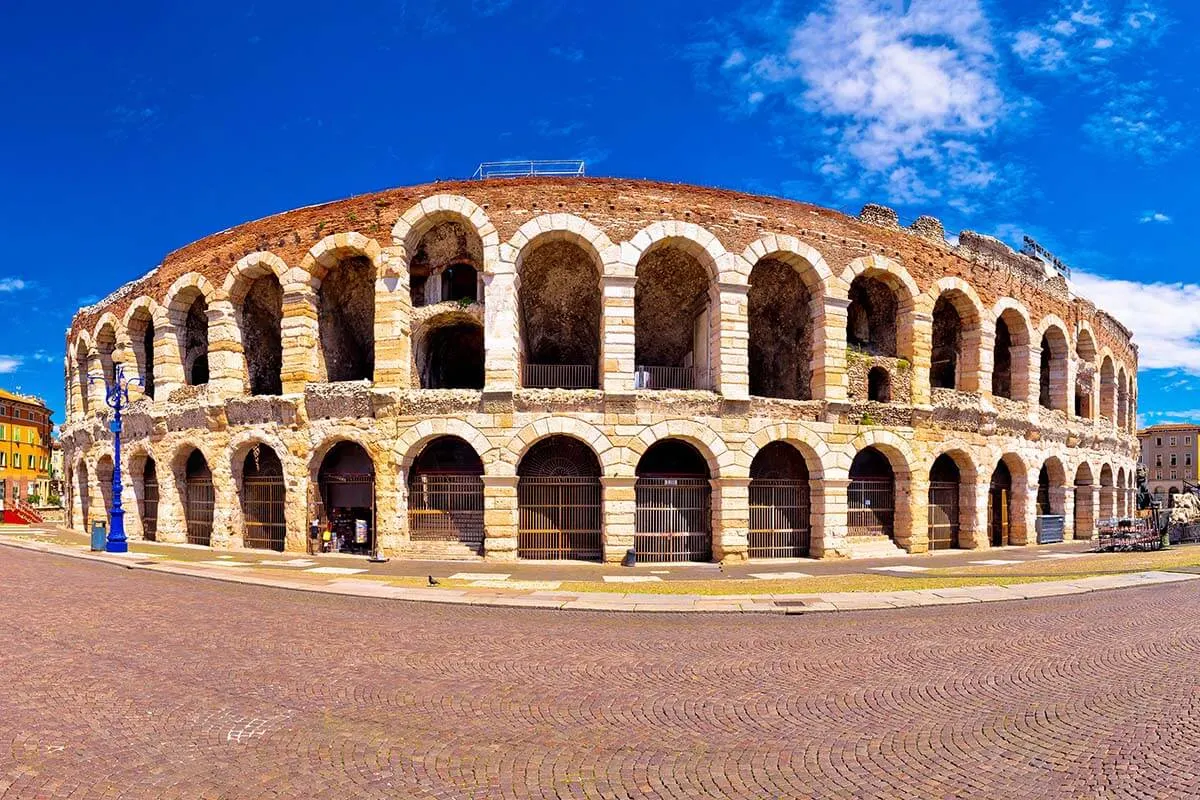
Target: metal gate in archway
{"points": [[779, 518], [943, 514], [871, 507], [560, 501], [149, 502], [199, 501], [264, 503], [674, 518]]}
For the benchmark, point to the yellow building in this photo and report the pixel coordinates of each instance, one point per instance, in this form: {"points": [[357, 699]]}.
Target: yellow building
{"points": [[25, 449]]}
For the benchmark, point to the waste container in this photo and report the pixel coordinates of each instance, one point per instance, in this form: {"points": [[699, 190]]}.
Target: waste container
{"points": [[99, 535]]}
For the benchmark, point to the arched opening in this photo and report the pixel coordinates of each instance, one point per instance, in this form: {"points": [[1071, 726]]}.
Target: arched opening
{"points": [[1122, 494], [560, 316], [460, 284], [1122, 400], [81, 374], [199, 499], [779, 308], [871, 495], [264, 500], [1108, 498], [945, 484], [1002, 361], [449, 352], [148, 502], [1000, 491], [141, 340], [672, 326], [84, 488], [1085, 502], [674, 504], [346, 320], [1085, 374], [106, 344], [192, 332], [346, 482], [260, 318], [780, 524], [1052, 375], [1171, 493], [879, 385], [947, 345], [559, 497], [445, 494], [1043, 493], [104, 477], [446, 264], [1108, 390], [871, 317]]}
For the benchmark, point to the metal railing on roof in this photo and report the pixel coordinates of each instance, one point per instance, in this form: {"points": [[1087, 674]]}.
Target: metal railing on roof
{"points": [[523, 169]]}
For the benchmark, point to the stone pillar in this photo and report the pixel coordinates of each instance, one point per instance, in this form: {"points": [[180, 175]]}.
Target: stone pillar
{"points": [[226, 360], [168, 362], [500, 517], [299, 332], [620, 516], [829, 347], [732, 358], [617, 334], [912, 513], [973, 514], [1085, 505], [828, 515], [393, 331], [1023, 512], [95, 388], [130, 501], [920, 348], [1026, 369], [391, 508], [500, 336], [1067, 504], [977, 360], [226, 530], [731, 519], [172, 524]]}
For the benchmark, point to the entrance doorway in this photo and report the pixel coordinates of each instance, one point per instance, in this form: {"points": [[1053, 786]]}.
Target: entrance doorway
{"points": [[1000, 506], [674, 504], [346, 482]]}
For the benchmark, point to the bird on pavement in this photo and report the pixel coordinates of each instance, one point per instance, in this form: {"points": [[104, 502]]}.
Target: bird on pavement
{"points": [[433, 581]]}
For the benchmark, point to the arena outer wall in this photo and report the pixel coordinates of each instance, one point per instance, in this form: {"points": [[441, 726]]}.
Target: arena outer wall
{"points": [[1069, 420]]}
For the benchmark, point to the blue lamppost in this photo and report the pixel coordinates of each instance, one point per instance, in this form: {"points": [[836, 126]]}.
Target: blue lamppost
{"points": [[116, 396]]}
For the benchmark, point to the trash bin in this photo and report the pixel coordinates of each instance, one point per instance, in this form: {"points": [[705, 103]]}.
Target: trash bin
{"points": [[99, 535]]}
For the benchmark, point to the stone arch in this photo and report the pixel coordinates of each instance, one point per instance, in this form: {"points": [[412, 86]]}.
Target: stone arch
{"points": [[1054, 371], [141, 517], [677, 302], [816, 451], [1085, 371], [195, 488], [893, 446], [410, 443], [710, 446], [957, 334], [788, 281], [255, 289], [952, 500], [189, 307], [107, 339], [448, 349], [345, 306], [1012, 342], [82, 371], [609, 456], [695, 240], [142, 321], [883, 297], [560, 266], [1052, 487], [435, 209]]}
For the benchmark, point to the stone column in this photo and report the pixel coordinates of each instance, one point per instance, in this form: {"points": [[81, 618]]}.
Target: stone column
{"points": [[977, 367], [1023, 512], [829, 347], [731, 519], [226, 360], [168, 362], [500, 517], [620, 516], [828, 516], [1026, 369], [973, 514], [391, 508], [912, 513], [393, 331], [500, 336], [1068, 511], [920, 349], [617, 334], [299, 332], [172, 524], [1086, 500], [733, 337], [96, 388], [226, 530]]}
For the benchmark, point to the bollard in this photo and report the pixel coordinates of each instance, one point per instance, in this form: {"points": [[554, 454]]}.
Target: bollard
{"points": [[630, 559], [99, 535]]}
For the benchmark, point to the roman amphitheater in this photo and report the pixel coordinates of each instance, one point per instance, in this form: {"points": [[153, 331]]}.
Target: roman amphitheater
{"points": [[570, 368]]}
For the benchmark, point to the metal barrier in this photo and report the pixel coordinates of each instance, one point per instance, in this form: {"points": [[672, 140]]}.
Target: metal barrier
{"points": [[445, 508], [264, 502], [524, 169], [198, 505], [871, 510], [668, 378], [560, 517], [150, 509], [779, 518], [673, 519], [943, 515], [559, 376]]}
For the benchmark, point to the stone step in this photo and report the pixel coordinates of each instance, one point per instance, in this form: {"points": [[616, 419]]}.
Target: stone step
{"points": [[873, 547], [440, 551]]}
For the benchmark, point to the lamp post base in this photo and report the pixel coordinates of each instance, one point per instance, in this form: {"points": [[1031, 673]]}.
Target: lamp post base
{"points": [[116, 542]]}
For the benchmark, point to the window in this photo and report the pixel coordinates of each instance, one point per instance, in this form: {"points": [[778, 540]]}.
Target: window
{"points": [[1187, 460], [1158, 459], [1158, 441], [1174, 459], [16, 460], [1174, 441], [3, 460], [1158, 475], [1187, 439]]}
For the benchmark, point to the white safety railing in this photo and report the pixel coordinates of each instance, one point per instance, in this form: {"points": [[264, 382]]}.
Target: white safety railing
{"points": [[525, 169]]}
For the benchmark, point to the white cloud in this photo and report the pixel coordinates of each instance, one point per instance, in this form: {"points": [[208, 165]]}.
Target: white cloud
{"points": [[898, 95], [1133, 121], [12, 285], [1167, 334], [9, 364], [1083, 34], [1154, 216]]}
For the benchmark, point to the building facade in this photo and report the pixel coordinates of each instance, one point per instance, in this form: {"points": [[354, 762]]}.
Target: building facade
{"points": [[570, 368], [25, 448], [1169, 452]]}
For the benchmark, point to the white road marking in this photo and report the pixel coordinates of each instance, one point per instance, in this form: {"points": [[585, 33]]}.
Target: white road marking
{"points": [[901, 568], [335, 570], [779, 576], [996, 562], [631, 578], [479, 576]]}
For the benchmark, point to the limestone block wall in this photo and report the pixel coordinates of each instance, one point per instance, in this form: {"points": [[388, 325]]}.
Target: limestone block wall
{"points": [[616, 224]]}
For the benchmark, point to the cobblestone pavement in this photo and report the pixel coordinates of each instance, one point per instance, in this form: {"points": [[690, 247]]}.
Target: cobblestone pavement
{"points": [[140, 685]]}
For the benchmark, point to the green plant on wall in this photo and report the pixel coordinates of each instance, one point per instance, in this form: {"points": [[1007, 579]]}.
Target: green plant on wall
{"points": [[903, 364]]}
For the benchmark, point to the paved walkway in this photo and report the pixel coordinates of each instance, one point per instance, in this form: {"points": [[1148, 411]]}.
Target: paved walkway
{"points": [[539, 585], [116, 683]]}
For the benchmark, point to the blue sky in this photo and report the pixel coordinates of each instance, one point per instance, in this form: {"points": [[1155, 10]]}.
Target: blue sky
{"points": [[131, 129]]}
